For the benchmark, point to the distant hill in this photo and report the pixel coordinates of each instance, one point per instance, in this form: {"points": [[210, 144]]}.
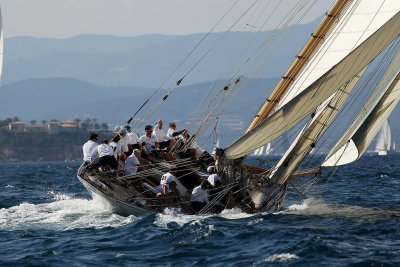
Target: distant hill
{"points": [[138, 61], [66, 98]]}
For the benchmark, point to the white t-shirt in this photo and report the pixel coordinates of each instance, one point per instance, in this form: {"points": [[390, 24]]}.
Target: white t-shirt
{"points": [[199, 195], [123, 142], [133, 138], [116, 148], [130, 166], [159, 134], [213, 178], [150, 142], [104, 150], [170, 133], [166, 178], [88, 149]]}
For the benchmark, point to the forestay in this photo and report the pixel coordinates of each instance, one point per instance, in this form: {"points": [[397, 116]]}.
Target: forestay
{"points": [[308, 100]]}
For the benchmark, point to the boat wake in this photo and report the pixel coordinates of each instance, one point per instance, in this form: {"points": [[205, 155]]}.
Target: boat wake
{"points": [[317, 207], [62, 213]]}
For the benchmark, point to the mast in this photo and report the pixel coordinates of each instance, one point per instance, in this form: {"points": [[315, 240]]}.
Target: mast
{"points": [[316, 38]]}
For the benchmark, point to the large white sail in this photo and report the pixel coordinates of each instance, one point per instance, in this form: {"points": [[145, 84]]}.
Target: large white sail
{"points": [[310, 98], [359, 21], [384, 140], [311, 132], [377, 109]]}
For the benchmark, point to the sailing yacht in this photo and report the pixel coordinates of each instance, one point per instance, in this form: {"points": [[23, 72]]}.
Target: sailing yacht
{"points": [[384, 144], [314, 96]]}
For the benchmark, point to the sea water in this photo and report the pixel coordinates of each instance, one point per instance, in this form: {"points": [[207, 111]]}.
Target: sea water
{"points": [[47, 218]]}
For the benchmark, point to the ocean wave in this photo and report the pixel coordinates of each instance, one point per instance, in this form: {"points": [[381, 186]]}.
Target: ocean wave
{"points": [[281, 257], [64, 213]]}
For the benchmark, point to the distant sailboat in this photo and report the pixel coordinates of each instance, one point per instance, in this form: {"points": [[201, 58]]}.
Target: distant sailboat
{"points": [[384, 143], [264, 150]]}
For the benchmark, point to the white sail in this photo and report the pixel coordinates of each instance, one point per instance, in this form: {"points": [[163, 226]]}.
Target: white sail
{"points": [[268, 149], [377, 109], [259, 151], [311, 132], [384, 140], [359, 21], [309, 99]]}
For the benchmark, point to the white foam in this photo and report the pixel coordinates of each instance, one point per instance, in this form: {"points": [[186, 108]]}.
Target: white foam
{"points": [[306, 204], [9, 186], [171, 215], [281, 257], [235, 214], [64, 213]]}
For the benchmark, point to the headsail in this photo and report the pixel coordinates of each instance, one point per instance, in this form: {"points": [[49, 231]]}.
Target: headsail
{"points": [[315, 94], [356, 139], [307, 138]]}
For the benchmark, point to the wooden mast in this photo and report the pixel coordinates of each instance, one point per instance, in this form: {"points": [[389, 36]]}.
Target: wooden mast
{"points": [[316, 38]]}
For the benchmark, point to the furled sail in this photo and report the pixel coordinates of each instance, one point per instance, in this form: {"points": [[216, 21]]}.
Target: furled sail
{"points": [[359, 135], [357, 20], [307, 138], [315, 94], [384, 140]]}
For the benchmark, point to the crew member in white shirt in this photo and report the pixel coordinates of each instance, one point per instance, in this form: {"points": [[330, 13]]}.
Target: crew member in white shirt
{"points": [[168, 187], [148, 140], [124, 143], [165, 141], [191, 145], [151, 145], [133, 139], [89, 147], [213, 177], [115, 147], [106, 156], [199, 198], [132, 163], [172, 131]]}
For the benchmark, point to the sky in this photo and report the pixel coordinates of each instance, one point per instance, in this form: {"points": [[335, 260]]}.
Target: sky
{"points": [[67, 18]]}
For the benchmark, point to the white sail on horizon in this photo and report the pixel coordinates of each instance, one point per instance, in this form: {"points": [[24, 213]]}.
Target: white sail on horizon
{"points": [[384, 143]]}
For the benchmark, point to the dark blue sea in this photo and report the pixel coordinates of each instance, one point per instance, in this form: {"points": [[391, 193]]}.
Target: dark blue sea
{"points": [[350, 219]]}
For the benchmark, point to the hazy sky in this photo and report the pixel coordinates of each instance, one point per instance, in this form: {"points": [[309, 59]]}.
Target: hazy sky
{"points": [[66, 18]]}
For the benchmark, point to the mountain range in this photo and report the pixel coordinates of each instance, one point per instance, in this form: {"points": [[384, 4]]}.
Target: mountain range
{"points": [[110, 77]]}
